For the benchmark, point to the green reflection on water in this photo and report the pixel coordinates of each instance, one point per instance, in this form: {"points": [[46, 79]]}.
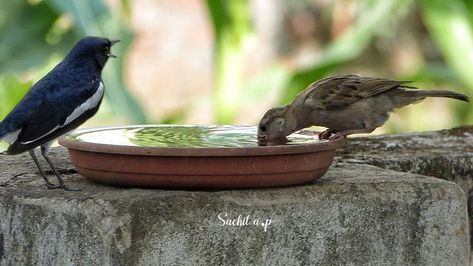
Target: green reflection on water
{"points": [[182, 137]]}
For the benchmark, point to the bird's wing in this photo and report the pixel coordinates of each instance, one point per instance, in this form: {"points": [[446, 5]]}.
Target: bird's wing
{"points": [[340, 91], [59, 110]]}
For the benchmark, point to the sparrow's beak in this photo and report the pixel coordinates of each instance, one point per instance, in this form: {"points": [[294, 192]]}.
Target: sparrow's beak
{"points": [[262, 140], [261, 137], [112, 42]]}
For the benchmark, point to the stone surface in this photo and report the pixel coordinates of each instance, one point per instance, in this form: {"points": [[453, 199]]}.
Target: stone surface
{"points": [[356, 214], [445, 154]]}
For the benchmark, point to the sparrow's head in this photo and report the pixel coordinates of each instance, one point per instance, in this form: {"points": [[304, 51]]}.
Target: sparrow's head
{"points": [[96, 49], [273, 127]]}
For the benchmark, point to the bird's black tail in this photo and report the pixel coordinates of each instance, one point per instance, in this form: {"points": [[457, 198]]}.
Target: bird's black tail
{"points": [[2, 134], [3, 129]]}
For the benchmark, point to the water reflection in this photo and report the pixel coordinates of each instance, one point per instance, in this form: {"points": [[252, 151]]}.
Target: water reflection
{"points": [[181, 136]]}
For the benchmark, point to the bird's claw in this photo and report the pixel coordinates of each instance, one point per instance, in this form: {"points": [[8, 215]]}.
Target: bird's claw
{"points": [[50, 185], [337, 135], [66, 188], [327, 134], [330, 134]]}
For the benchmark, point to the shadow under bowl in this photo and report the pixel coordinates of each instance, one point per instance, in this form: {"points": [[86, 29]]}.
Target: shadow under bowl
{"points": [[196, 157]]}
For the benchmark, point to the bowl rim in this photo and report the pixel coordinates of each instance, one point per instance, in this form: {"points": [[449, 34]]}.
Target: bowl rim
{"points": [[68, 142]]}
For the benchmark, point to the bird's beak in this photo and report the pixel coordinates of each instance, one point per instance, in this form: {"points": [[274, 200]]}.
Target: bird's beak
{"points": [[262, 140], [261, 137], [112, 42]]}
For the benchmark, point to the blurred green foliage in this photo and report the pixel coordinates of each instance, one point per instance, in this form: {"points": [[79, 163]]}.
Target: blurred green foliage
{"points": [[450, 24], [50, 27], [231, 23], [376, 15], [11, 96]]}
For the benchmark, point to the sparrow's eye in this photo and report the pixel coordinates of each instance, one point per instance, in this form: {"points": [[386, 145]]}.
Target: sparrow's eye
{"points": [[262, 128], [280, 121]]}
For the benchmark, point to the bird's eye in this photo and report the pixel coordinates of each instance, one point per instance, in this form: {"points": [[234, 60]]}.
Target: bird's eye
{"points": [[262, 128]]}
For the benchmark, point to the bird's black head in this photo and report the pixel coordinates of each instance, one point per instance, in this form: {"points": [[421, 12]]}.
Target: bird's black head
{"points": [[95, 50]]}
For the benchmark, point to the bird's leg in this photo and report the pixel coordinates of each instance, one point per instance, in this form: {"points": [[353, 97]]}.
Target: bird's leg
{"points": [[334, 134], [345, 133], [35, 159], [44, 151], [341, 134]]}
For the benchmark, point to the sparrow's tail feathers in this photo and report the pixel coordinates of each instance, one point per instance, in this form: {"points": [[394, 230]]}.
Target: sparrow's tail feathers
{"points": [[441, 93]]}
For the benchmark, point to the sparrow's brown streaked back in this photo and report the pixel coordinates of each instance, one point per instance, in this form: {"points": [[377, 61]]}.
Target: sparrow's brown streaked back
{"points": [[346, 104]]}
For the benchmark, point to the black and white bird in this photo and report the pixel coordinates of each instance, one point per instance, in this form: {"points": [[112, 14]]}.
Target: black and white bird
{"points": [[62, 100]]}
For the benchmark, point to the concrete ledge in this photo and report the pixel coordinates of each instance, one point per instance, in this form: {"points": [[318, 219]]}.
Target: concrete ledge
{"points": [[445, 154], [357, 214]]}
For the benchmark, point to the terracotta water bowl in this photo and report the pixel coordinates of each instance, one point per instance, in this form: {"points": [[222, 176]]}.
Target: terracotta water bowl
{"points": [[196, 157]]}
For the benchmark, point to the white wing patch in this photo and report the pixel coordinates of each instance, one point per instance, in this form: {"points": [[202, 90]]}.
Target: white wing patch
{"points": [[91, 103], [11, 137], [87, 105]]}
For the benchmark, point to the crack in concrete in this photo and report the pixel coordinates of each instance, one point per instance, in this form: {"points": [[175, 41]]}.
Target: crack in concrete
{"points": [[12, 179]]}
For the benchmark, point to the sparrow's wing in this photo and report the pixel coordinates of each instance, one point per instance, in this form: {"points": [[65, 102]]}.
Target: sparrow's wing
{"points": [[340, 91], [60, 108]]}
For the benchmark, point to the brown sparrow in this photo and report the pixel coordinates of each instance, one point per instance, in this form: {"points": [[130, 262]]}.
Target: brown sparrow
{"points": [[346, 104]]}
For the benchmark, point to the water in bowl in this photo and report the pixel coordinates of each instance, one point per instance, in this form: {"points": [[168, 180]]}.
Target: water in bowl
{"points": [[170, 136]]}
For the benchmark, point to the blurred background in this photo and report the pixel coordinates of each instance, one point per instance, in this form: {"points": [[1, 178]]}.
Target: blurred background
{"points": [[227, 62]]}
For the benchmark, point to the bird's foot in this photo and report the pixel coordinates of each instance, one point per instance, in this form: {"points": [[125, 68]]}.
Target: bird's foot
{"points": [[61, 184], [52, 186], [66, 188], [339, 134], [327, 134], [48, 183], [330, 134]]}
